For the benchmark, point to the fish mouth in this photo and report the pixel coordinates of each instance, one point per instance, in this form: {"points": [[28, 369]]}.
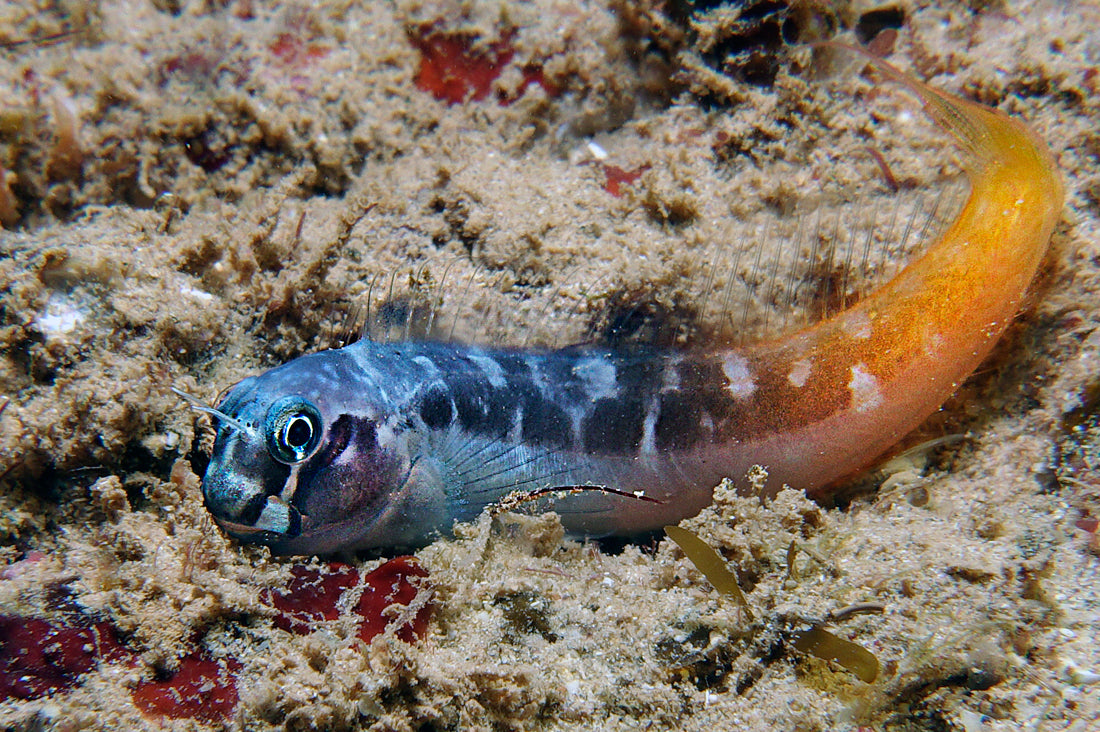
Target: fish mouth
{"points": [[277, 521]]}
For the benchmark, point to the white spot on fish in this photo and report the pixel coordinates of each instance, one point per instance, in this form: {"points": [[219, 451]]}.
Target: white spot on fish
{"points": [[492, 371], [515, 433], [857, 325], [649, 432], [428, 364], [291, 485], [600, 377], [670, 376], [736, 368], [707, 423], [933, 344], [800, 371], [865, 389]]}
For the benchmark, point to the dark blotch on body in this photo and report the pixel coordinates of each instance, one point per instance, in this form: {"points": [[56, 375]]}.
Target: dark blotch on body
{"points": [[436, 408], [338, 437], [471, 394], [545, 423], [615, 426], [514, 366], [679, 421]]}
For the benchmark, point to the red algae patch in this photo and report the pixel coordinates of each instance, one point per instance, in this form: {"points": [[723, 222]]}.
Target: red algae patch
{"points": [[38, 657], [314, 595], [455, 67], [393, 584], [293, 52], [311, 596], [203, 688], [615, 178]]}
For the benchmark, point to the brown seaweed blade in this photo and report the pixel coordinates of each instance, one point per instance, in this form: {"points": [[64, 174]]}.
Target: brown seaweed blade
{"points": [[710, 563], [828, 647]]}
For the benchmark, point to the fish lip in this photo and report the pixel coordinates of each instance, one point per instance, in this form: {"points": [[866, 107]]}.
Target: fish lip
{"points": [[254, 534], [250, 534], [241, 531]]}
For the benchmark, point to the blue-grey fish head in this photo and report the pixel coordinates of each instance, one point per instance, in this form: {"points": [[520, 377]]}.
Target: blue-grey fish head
{"points": [[315, 458]]}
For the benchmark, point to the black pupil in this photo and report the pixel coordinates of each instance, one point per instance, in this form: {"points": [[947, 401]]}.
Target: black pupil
{"points": [[299, 432]]}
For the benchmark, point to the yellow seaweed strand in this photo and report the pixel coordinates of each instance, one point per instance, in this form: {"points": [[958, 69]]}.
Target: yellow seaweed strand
{"points": [[710, 563]]}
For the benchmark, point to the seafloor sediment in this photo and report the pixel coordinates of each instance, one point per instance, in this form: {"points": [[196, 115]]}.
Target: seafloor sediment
{"points": [[193, 192]]}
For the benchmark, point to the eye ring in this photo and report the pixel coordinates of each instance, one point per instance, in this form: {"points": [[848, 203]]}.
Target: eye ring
{"points": [[293, 429]]}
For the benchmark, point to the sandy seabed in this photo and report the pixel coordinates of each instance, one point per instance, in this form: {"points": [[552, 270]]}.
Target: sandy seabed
{"points": [[194, 192]]}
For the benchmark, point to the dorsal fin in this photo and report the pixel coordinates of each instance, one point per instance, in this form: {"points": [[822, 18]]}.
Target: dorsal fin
{"points": [[783, 271]]}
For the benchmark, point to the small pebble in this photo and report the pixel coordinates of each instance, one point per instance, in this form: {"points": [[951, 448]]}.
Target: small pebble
{"points": [[1081, 676], [597, 152]]}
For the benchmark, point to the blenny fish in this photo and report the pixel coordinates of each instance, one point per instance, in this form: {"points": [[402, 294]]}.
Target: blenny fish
{"points": [[385, 445]]}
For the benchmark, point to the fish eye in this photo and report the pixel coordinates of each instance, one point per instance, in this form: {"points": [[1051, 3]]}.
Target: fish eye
{"points": [[293, 428]]}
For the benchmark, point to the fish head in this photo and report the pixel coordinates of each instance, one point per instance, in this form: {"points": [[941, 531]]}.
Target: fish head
{"points": [[314, 458]]}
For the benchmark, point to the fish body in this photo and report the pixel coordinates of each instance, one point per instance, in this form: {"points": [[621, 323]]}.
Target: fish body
{"points": [[416, 436], [387, 445]]}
